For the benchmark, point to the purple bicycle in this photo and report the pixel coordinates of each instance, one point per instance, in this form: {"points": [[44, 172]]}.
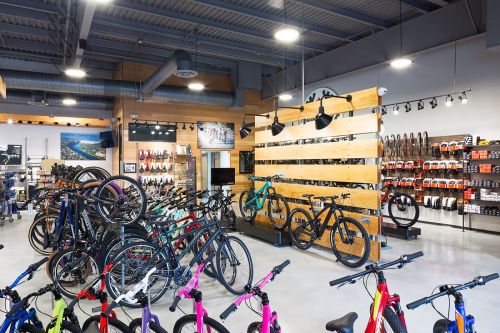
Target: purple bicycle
{"points": [[269, 322], [198, 322]]}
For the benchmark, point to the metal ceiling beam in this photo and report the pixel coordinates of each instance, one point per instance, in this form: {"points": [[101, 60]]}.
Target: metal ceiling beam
{"points": [[35, 47], [24, 30], [84, 28], [345, 13], [134, 6], [31, 5], [25, 13], [440, 3], [262, 15], [31, 64], [417, 5]]}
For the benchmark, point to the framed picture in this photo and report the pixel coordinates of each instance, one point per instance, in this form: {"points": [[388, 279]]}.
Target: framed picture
{"points": [[82, 146], [247, 161], [130, 168], [213, 135], [11, 154]]}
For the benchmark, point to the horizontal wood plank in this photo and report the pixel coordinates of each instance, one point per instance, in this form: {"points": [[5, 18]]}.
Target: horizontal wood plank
{"points": [[330, 150], [368, 123], [362, 99], [339, 173], [360, 198]]}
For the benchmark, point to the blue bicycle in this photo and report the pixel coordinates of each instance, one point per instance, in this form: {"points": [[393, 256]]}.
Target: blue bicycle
{"points": [[463, 322], [20, 318]]}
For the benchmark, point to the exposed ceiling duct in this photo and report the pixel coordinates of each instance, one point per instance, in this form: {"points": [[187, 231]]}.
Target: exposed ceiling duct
{"points": [[115, 88], [179, 64]]}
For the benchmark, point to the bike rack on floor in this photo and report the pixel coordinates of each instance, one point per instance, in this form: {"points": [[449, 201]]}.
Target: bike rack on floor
{"points": [[263, 232], [391, 229]]}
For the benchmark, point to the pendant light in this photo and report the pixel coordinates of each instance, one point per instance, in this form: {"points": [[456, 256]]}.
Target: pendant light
{"points": [[322, 119], [286, 34], [196, 85], [401, 62]]}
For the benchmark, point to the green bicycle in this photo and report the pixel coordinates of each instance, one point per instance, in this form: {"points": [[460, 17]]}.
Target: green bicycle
{"points": [[253, 200]]}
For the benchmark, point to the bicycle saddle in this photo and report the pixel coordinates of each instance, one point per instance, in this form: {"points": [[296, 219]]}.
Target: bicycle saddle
{"points": [[343, 324]]}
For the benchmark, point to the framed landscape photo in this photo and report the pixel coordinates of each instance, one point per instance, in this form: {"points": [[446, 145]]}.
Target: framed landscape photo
{"points": [[130, 168], [215, 135], [82, 146]]}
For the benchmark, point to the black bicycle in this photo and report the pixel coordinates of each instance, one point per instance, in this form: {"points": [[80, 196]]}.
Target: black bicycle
{"points": [[348, 238]]}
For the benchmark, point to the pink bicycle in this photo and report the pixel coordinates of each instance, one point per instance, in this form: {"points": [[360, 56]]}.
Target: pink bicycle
{"points": [[198, 322], [269, 322]]}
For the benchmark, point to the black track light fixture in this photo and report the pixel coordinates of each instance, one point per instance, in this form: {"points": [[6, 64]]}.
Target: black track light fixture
{"points": [[19, 121], [276, 126], [245, 127], [407, 107], [433, 103], [383, 110], [420, 105], [183, 126], [322, 119]]}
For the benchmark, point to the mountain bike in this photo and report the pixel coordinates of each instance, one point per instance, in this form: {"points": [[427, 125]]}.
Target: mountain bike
{"points": [[463, 323], [403, 208], [199, 321], [253, 200], [348, 238], [269, 321], [385, 310]]}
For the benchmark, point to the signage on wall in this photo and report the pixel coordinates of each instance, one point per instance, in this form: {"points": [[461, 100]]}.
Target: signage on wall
{"points": [[11, 154], [143, 132], [82, 146], [215, 135]]}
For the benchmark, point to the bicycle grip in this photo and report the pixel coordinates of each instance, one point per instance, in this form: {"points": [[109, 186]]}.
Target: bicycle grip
{"points": [[341, 280], [110, 307], [413, 256], [416, 304], [490, 277], [36, 266], [228, 311], [280, 267], [174, 304]]}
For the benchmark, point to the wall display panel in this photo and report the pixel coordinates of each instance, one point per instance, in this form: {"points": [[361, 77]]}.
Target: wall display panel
{"points": [[81, 146]]}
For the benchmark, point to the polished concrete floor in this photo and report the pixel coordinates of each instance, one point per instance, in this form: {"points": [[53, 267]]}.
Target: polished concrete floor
{"points": [[301, 294]]}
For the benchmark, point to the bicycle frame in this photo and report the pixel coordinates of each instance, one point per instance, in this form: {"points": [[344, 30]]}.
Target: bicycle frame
{"points": [[18, 319], [383, 299], [260, 203], [57, 315], [463, 323], [333, 211]]}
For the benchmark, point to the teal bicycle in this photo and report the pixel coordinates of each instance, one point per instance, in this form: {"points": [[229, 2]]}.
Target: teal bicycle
{"points": [[253, 200]]}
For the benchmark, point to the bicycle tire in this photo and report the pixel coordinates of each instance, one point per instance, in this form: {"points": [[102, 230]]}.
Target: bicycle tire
{"points": [[441, 326], [337, 227], [137, 324], [30, 328], [113, 322], [189, 319], [256, 326], [302, 240], [228, 265], [407, 222], [39, 238], [247, 217], [94, 173], [275, 221], [66, 326], [394, 322]]}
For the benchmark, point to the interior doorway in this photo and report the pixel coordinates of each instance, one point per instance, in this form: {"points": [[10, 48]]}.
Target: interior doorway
{"points": [[210, 160]]}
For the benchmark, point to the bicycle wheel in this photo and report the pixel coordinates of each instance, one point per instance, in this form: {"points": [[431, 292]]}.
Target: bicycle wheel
{"points": [[234, 265], [403, 210], [135, 326], [392, 323], [126, 208], [350, 242], [277, 211], [256, 326], [114, 325], [442, 326], [29, 328], [39, 234], [130, 266], [66, 326], [89, 174], [187, 323], [248, 212], [69, 278], [300, 228]]}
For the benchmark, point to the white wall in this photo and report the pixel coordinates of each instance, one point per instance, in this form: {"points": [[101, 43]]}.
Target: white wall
{"points": [[38, 135]]}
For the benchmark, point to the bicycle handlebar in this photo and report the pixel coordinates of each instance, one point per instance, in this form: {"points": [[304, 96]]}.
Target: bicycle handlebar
{"points": [[34, 267], [403, 260], [448, 290], [232, 308], [176, 301]]}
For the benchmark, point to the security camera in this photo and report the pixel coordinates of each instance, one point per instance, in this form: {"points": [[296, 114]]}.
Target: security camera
{"points": [[382, 91]]}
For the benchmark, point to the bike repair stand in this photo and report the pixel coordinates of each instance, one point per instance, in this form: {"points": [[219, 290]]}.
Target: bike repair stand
{"points": [[391, 229]]}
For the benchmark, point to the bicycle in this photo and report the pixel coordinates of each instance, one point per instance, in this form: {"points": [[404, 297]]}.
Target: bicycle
{"points": [[463, 323], [269, 321], [385, 310], [349, 240], [403, 208], [277, 206]]}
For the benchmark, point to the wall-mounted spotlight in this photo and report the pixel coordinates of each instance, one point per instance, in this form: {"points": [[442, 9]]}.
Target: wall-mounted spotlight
{"points": [[68, 124], [407, 107], [157, 126], [395, 110], [463, 98], [245, 127], [40, 122], [383, 110], [420, 105], [449, 101], [183, 126], [433, 103], [276, 127], [29, 122], [322, 119], [191, 127]]}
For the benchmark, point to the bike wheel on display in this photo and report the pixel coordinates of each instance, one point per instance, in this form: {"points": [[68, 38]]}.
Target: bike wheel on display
{"points": [[130, 266], [392, 323], [234, 265], [350, 242], [89, 174], [187, 324], [114, 325], [278, 211], [136, 326], [40, 231], [300, 228], [121, 200], [403, 209], [248, 212]]}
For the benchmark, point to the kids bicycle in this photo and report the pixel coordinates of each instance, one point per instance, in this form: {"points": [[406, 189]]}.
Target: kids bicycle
{"points": [[253, 200], [463, 322], [269, 321], [385, 311]]}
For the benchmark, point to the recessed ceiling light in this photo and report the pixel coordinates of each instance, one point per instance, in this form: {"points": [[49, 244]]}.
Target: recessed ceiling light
{"points": [[101, 2], [401, 63], [69, 101], [76, 73], [287, 35], [196, 86], [285, 97], [10, 121]]}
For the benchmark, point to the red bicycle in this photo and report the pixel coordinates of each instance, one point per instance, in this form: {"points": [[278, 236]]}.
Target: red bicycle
{"points": [[386, 312]]}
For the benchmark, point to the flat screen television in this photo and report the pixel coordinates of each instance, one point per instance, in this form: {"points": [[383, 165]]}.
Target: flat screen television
{"points": [[108, 139], [222, 176]]}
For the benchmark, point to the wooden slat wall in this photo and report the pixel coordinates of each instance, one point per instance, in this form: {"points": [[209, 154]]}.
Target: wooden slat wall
{"points": [[290, 145]]}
